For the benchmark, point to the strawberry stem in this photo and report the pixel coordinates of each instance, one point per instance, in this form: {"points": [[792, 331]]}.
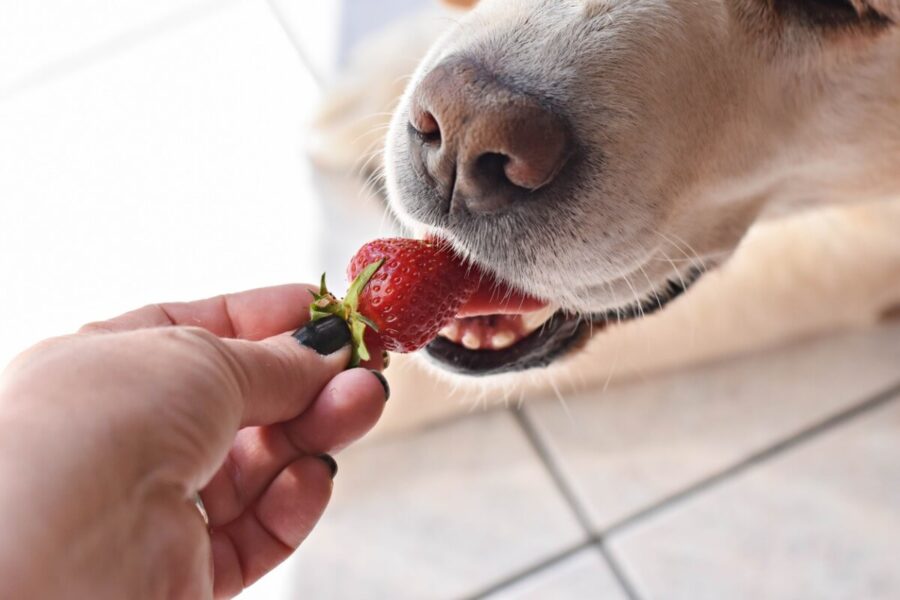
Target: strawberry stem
{"points": [[326, 305]]}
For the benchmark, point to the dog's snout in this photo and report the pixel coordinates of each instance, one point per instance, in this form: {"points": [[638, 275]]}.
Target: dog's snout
{"points": [[481, 143]]}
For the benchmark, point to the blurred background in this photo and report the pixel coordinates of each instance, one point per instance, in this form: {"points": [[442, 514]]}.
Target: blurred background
{"points": [[154, 151]]}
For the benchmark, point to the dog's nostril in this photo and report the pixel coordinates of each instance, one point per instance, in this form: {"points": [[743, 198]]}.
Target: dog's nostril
{"points": [[490, 170], [426, 126], [482, 143]]}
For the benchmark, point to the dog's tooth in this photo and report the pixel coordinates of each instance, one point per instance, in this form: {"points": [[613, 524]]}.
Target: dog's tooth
{"points": [[533, 320], [471, 340], [451, 332], [502, 340]]}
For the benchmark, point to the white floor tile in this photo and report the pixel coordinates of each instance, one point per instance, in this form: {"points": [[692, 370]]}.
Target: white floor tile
{"points": [[38, 39], [170, 171], [584, 576], [439, 514], [635, 444], [821, 521]]}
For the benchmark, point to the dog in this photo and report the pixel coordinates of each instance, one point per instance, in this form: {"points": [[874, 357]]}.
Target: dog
{"points": [[611, 157]]}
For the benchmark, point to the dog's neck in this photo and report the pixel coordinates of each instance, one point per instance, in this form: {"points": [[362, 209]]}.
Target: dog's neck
{"points": [[783, 145], [835, 142]]}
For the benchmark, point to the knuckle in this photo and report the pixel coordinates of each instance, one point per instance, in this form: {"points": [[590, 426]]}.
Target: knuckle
{"points": [[188, 333], [222, 360], [293, 362], [197, 377], [95, 327], [42, 356], [200, 356], [195, 340]]}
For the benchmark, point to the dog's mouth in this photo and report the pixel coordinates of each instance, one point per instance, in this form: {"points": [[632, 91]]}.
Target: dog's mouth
{"points": [[502, 343], [527, 335]]}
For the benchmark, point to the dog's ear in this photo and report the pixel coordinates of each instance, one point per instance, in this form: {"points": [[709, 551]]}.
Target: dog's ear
{"points": [[840, 14], [820, 15], [460, 3], [888, 8]]}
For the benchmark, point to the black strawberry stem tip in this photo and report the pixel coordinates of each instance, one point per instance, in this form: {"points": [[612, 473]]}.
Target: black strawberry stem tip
{"points": [[325, 304]]}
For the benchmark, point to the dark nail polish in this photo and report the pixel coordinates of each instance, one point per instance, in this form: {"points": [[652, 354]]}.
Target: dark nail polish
{"points": [[383, 381], [328, 460], [325, 336]]}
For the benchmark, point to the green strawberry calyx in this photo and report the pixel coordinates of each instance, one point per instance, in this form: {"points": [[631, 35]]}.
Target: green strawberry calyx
{"points": [[325, 304]]}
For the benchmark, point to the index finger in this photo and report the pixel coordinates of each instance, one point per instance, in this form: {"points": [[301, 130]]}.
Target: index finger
{"points": [[251, 315]]}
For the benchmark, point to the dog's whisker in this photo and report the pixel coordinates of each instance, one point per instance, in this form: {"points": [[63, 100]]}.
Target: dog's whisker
{"points": [[562, 401], [699, 261], [374, 150], [659, 302], [373, 186], [351, 123], [613, 298], [373, 177], [612, 369], [363, 166], [376, 176], [376, 145], [678, 247], [386, 216], [637, 300]]}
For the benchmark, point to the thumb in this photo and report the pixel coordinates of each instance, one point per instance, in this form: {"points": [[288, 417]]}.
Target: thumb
{"points": [[281, 376]]}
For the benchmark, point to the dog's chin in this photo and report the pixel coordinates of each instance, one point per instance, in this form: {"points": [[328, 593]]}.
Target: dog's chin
{"points": [[497, 344]]}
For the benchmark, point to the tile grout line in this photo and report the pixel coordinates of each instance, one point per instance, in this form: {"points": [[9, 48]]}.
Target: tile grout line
{"points": [[535, 568], [562, 486], [569, 496], [618, 572], [124, 41], [304, 58], [787, 444], [599, 541]]}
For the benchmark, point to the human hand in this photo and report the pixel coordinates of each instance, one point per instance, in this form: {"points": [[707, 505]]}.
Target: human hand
{"points": [[107, 435]]}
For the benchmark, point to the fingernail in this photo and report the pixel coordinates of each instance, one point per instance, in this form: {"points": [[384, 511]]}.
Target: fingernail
{"points": [[328, 460], [325, 336], [383, 381]]}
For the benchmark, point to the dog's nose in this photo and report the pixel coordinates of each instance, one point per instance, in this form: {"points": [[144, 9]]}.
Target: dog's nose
{"points": [[481, 143]]}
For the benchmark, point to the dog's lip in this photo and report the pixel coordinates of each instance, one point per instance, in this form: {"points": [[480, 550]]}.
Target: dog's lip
{"points": [[562, 333], [497, 298]]}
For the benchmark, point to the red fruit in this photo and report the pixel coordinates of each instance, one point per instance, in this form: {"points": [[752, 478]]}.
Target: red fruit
{"points": [[403, 293], [417, 291]]}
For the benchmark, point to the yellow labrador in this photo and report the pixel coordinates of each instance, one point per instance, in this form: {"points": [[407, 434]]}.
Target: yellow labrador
{"points": [[609, 155]]}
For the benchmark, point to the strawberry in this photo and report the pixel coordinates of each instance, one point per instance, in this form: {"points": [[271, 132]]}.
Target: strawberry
{"points": [[404, 291]]}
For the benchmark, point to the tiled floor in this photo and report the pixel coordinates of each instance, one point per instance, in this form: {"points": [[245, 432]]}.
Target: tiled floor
{"points": [[584, 574], [818, 521], [667, 434], [440, 512], [771, 476]]}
